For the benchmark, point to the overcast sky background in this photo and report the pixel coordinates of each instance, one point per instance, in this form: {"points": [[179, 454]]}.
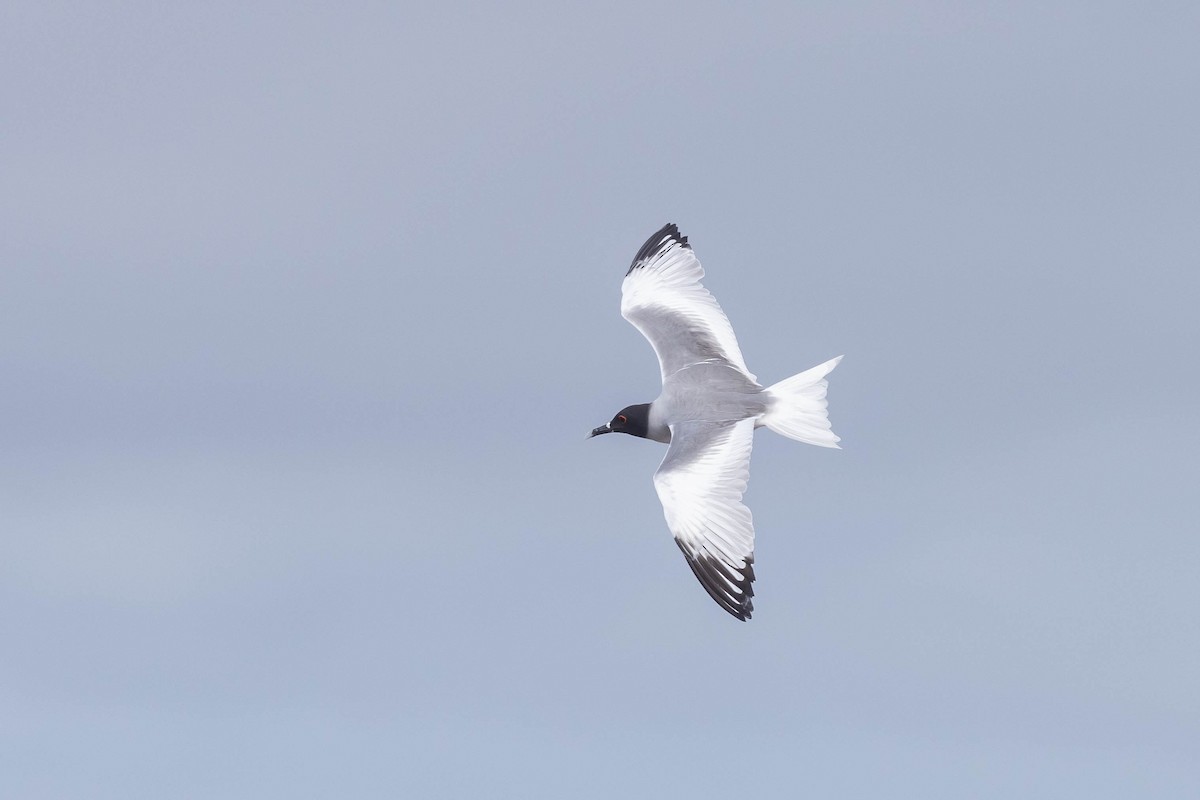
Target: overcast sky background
{"points": [[305, 313]]}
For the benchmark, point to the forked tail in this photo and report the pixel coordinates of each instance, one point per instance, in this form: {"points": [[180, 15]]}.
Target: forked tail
{"points": [[798, 407]]}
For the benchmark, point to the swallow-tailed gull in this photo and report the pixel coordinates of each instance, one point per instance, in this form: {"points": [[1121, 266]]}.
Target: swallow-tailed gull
{"points": [[707, 412]]}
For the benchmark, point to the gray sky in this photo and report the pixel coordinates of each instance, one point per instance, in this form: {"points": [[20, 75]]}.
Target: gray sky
{"points": [[304, 314]]}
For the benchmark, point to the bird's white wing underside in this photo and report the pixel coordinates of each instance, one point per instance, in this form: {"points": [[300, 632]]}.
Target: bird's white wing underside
{"points": [[700, 483], [663, 298]]}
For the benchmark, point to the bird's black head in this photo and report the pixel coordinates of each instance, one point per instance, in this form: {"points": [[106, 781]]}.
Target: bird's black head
{"points": [[634, 420]]}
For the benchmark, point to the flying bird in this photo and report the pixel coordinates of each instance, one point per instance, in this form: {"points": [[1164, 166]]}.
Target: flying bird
{"points": [[707, 412]]}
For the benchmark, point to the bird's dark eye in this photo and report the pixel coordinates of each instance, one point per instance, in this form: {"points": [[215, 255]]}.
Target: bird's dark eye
{"points": [[621, 419]]}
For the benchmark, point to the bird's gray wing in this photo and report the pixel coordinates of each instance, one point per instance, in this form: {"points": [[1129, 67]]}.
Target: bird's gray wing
{"points": [[663, 298], [700, 483]]}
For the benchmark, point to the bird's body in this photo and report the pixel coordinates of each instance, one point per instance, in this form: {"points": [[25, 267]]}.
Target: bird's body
{"points": [[708, 409], [708, 392]]}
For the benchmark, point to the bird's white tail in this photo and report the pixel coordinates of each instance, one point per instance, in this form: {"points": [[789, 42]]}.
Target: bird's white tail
{"points": [[798, 408]]}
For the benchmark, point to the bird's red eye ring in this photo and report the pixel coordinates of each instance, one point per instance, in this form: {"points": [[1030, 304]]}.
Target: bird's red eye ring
{"points": [[621, 419]]}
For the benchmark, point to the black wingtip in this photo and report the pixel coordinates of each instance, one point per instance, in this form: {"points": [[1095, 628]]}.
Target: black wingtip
{"points": [[666, 234], [716, 577]]}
